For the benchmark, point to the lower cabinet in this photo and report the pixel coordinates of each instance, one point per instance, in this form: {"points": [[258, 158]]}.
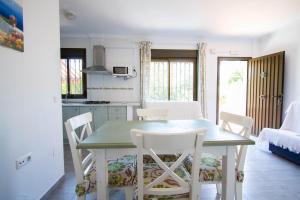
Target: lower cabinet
{"points": [[101, 114], [68, 112], [117, 113]]}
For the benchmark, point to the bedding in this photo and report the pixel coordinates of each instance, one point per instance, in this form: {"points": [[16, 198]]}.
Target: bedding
{"points": [[286, 140]]}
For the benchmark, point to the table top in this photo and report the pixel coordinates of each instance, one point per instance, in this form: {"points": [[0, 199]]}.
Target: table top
{"points": [[116, 134]]}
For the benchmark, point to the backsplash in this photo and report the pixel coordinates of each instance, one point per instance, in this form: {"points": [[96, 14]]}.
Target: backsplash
{"points": [[108, 88]]}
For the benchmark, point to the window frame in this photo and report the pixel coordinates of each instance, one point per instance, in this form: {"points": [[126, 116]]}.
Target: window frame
{"points": [[178, 55], [75, 53]]}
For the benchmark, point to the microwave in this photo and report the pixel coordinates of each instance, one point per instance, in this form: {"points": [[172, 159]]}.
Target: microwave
{"points": [[122, 71]]}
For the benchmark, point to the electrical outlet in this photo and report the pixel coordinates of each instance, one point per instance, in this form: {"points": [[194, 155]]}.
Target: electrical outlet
{"points": [[23, 160]]}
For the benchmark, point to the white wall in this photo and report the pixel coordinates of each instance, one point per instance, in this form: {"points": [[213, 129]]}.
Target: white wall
{"points": [[219, 47], [30, 119], [285, 39]]}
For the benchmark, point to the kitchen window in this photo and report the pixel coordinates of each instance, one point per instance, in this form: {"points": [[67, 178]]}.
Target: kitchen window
{"points": [[73, 81], [173, 75]]}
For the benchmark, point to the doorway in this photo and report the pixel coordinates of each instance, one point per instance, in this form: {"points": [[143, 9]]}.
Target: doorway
{"points": [[232, 85]]}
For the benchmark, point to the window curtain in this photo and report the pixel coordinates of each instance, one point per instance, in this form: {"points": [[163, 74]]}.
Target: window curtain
{"points": [[145, 53], [202, 78]]}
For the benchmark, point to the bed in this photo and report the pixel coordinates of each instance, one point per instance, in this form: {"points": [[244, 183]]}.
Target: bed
{"points": [[284, 142]]}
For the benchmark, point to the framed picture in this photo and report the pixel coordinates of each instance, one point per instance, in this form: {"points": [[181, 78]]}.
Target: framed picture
{"points": [[11, 24]]}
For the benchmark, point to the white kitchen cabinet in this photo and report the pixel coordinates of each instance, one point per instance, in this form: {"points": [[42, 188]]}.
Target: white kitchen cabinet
{"points": [[117, 113], [100, 116], [68, 112]]}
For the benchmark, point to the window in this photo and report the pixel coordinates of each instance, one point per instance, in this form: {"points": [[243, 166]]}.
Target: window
{"points": [[73, 81], [173, 75]]}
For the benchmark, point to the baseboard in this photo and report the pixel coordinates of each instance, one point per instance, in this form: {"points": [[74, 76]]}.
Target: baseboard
{"points": [[52, 188]]}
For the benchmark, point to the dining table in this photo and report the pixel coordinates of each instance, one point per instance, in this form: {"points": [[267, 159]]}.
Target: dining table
{"points": [[113, 140]]}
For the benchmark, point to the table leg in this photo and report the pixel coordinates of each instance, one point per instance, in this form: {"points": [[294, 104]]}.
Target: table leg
{"points": [[228, 183], [101, 174]]}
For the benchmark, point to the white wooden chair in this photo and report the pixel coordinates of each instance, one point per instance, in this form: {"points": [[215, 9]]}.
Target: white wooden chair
{"points": [[155, 114], [152, 114], [240, 125], [155, 143], [84, 162], [211, 168]]}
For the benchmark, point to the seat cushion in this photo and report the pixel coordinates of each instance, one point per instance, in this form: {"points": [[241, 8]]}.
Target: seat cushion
{"points": [[89, 184], [153, 171], [210, 168], [121, 172], [165, 158]]}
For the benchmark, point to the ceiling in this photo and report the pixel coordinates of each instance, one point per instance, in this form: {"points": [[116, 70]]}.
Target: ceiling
{"points": [[187, 18]]}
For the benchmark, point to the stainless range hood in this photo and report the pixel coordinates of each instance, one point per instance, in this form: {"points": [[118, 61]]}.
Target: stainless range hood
{"points": [[98, 61]]}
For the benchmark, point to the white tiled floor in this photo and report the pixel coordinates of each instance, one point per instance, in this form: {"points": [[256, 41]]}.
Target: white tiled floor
{"points": [[267, 177]]}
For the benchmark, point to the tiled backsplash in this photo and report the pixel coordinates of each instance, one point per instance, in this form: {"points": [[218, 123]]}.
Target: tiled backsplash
{"points": [[116, 89]]}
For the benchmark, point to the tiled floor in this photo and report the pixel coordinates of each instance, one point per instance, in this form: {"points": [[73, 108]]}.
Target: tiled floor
{"points": [[266, 177]]}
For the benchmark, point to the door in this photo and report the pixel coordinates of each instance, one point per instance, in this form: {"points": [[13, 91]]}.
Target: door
{"points": [[265, 91], [232, 83]]}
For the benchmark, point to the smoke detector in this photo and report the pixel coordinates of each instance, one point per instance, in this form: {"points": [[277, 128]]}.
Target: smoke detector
{"points": [[70, 15]]}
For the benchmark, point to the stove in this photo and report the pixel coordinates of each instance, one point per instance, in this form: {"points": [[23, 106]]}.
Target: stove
{"points": [[96, 102]]}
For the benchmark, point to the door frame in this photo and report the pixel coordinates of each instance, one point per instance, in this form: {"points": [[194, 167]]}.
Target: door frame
{"points": [[218, 79]]}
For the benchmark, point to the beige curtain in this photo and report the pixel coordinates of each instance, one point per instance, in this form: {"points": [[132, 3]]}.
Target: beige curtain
{"points": [[145, 52], [202, 78]]}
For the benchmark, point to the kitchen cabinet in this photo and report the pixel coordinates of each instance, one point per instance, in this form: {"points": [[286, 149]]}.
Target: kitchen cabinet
{"points": [[100, 116], [117, 113], [68, 112]]}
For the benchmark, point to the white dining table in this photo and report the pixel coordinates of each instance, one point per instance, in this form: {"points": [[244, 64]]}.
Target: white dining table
{"points": [[112, 140]]}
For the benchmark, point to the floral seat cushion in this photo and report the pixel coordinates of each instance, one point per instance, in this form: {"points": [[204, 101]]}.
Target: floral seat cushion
{"points": [[211, 168], [164, 157], [121, 172], [153, 171]]}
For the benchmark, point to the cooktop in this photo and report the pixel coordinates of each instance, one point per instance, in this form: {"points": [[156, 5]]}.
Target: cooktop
{"points": [[96, 102]]}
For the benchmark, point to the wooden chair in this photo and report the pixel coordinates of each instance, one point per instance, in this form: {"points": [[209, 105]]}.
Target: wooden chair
{"points": [[155, 114], [211, 168], [152, 114], [84, 162], [154, 179], [240, 125]]}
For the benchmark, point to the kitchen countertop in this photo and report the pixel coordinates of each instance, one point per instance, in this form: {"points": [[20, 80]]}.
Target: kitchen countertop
{"points": [[109, 104]]}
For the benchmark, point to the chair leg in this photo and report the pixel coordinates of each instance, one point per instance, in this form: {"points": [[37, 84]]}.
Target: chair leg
{"points": [[238, 191], [219, 188], [128, 193]]}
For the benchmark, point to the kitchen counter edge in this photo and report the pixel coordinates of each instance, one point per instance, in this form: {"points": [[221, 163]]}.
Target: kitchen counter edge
{"points": [[109, 104]]}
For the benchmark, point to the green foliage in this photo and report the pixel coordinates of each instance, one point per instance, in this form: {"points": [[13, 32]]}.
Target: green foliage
{"points": [[236, 77]]}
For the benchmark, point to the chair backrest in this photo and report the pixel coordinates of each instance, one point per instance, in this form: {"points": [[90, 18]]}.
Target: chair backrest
{"points": [[240, 125], [82, 160], [155, 143], [152, 114], [178, 110]]}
